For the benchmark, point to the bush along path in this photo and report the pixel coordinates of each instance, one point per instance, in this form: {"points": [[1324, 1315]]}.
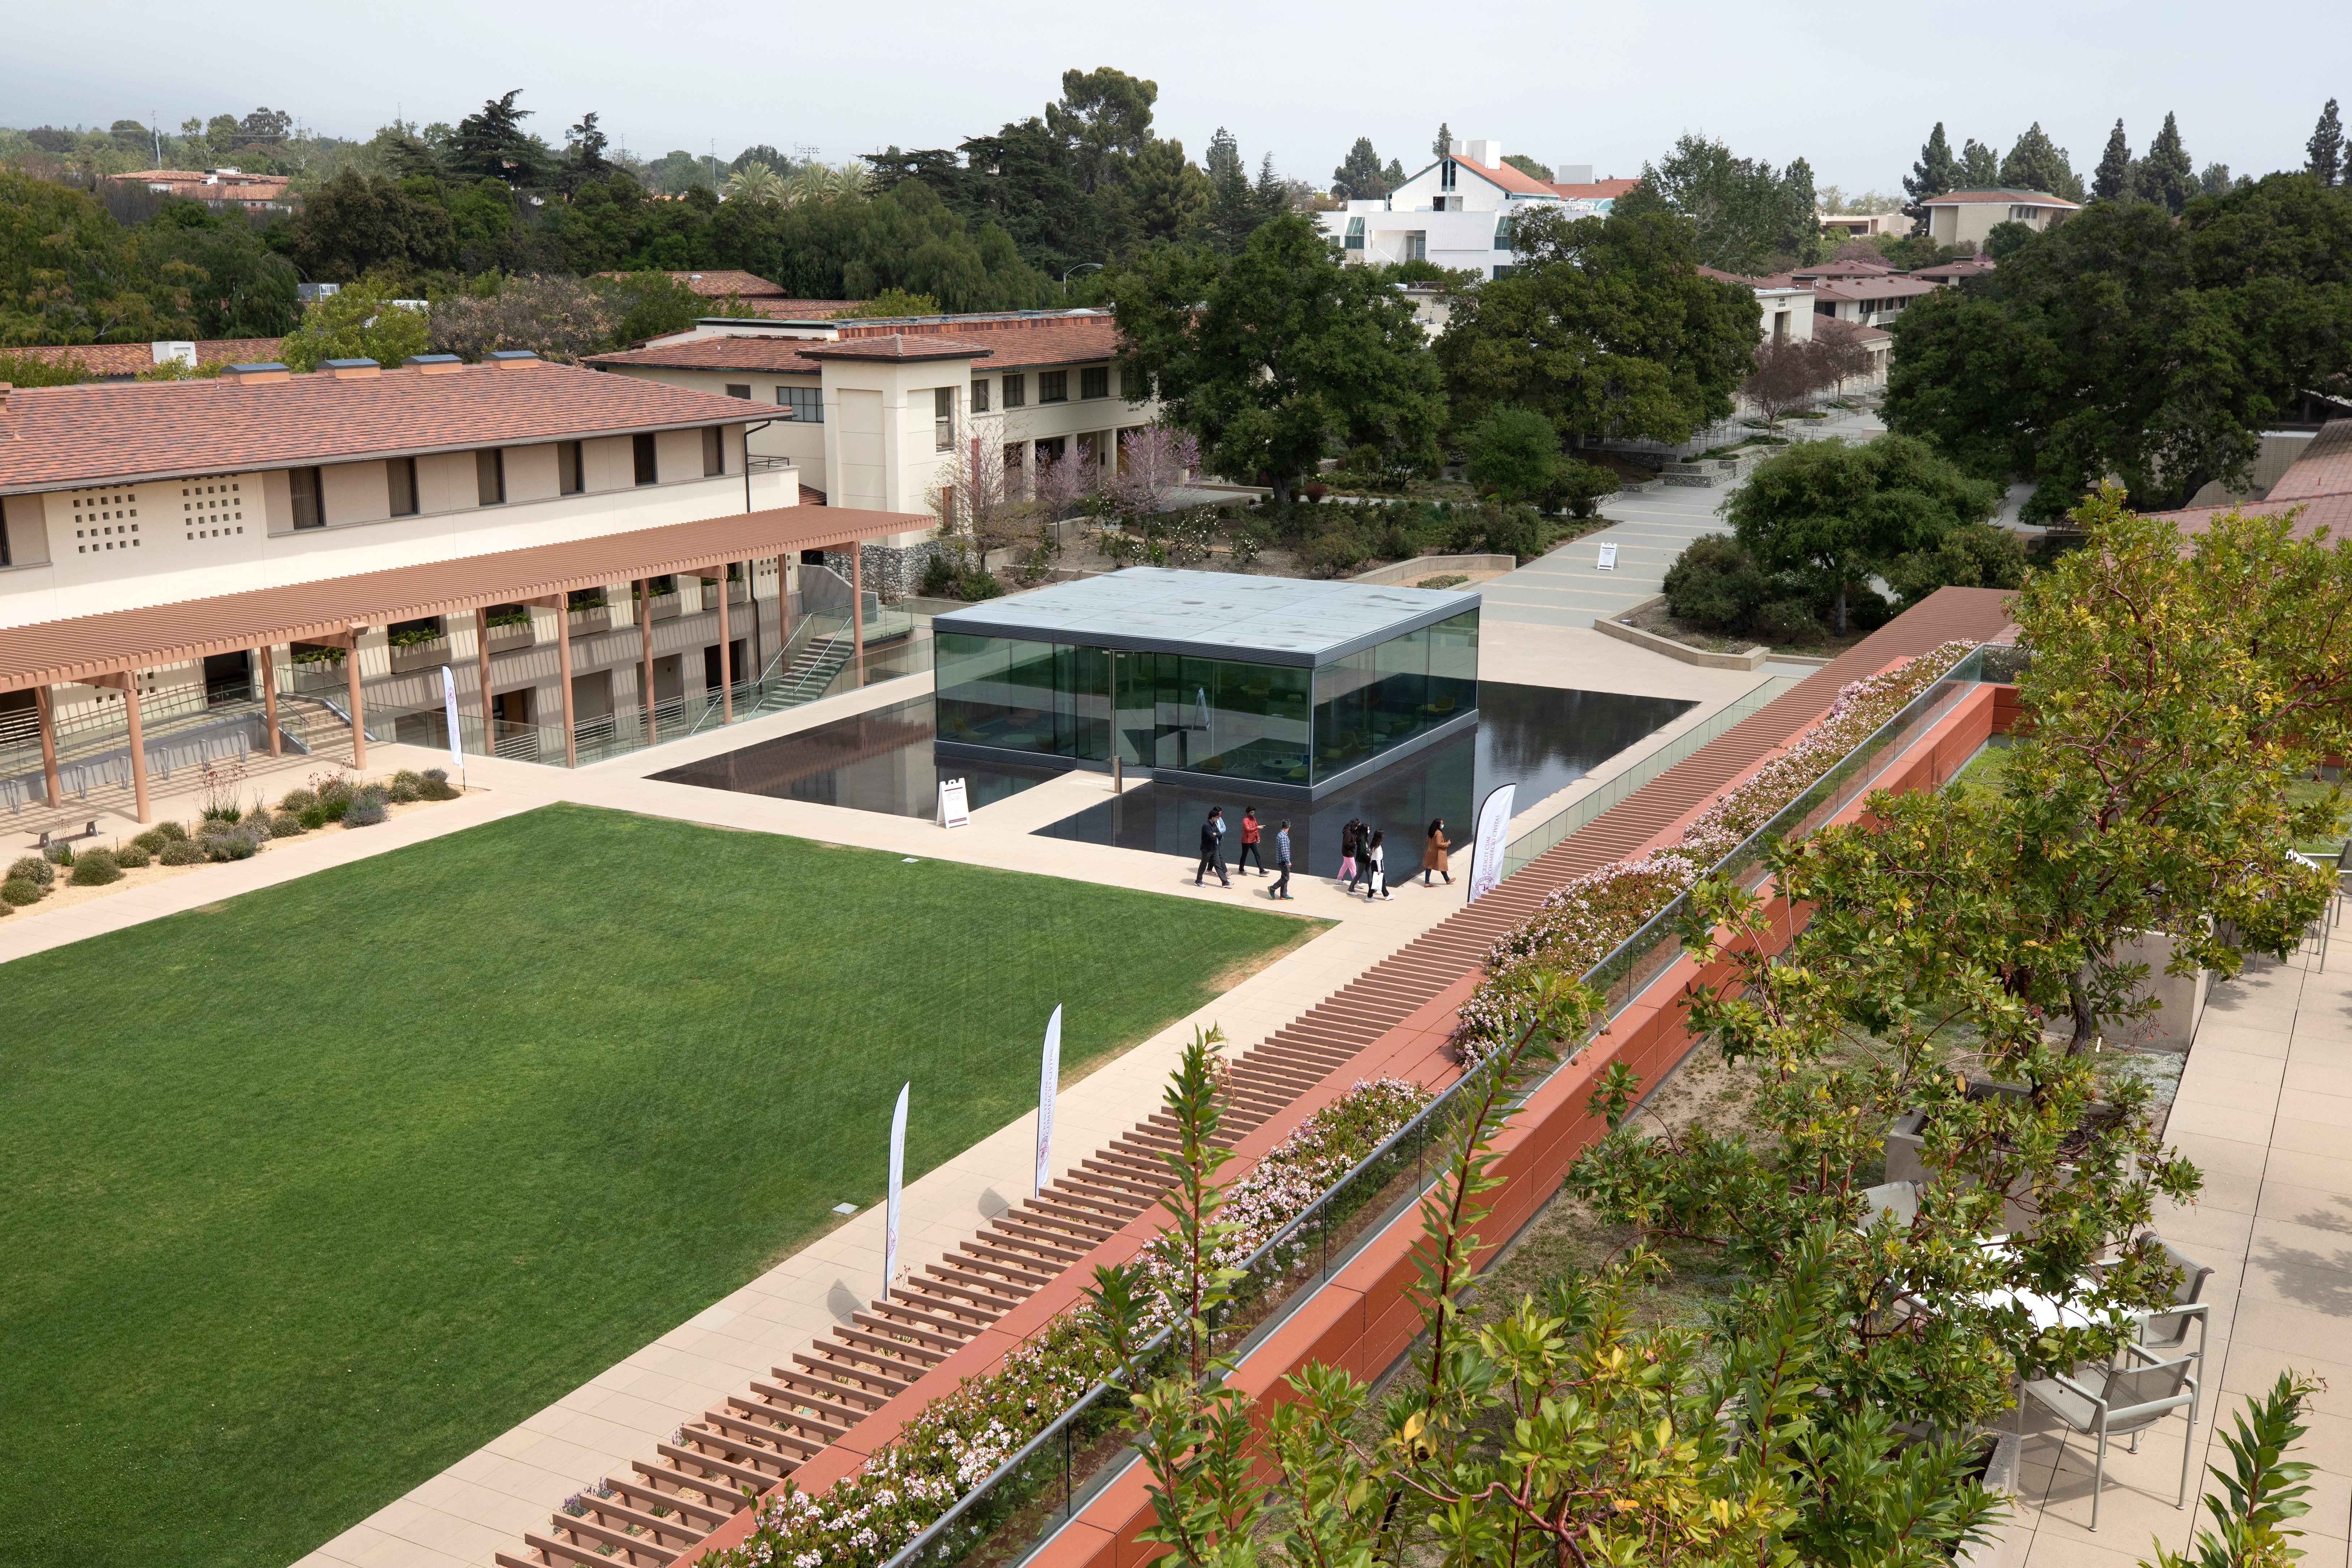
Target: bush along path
{"points": [[713, 1468], [223, 832]]}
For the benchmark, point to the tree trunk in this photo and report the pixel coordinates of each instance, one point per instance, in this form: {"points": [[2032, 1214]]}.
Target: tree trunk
{"points": [[1840, 608], [2086, 1022], [1282, 491]]}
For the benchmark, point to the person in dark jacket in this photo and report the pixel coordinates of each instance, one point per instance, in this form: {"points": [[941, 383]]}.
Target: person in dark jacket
{"points": [[1281, 889], [1365, 838], [1212, 852]]}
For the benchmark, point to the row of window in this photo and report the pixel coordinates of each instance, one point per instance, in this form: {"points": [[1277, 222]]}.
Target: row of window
{"points": [[1053, 387], [309, 494]]}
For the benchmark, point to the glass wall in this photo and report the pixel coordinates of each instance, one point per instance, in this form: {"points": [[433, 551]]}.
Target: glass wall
{"points": [[1268, 723]]}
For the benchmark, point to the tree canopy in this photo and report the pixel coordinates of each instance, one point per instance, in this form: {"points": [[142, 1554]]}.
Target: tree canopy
{"points": [[1605, 327], [2125, 343], [2037, 164], [1278, 356], [1361, 176], [1745, 217]]}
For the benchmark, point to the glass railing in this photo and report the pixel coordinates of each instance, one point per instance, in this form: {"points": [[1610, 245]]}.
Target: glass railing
{"points": [[1052, 1477], [1546, 835]]}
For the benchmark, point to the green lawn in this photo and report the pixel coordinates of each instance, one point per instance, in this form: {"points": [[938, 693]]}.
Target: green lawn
{"points": [[309, 1194]]}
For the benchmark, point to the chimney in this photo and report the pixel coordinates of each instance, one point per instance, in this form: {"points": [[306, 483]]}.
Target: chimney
{"points": [[349, 369], [512, 359], [1571, 173], [1487, 152], [432, 364], [254, 374], [169, 350]]}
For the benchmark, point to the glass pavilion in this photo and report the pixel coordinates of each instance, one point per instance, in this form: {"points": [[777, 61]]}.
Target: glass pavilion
{"points": [[1288, 687]]}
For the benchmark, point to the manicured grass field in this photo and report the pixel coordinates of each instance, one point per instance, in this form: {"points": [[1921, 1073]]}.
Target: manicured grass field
{"points": [[309, 1194]]}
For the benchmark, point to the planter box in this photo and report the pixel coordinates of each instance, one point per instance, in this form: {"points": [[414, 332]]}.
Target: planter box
{"points": [[662, 607], [587, 623], [2182, 996], [1614, 626], [420, 656], [505, 639], [1904, 1140], [2013, 1535]]}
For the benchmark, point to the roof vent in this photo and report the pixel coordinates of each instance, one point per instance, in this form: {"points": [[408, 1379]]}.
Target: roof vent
{"points": [[432, 364], [251, 374], [512, 359], [349, 369]]}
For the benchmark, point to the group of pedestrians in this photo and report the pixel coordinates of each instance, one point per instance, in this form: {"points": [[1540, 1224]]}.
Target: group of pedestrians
{"points": [[1363, 854]]}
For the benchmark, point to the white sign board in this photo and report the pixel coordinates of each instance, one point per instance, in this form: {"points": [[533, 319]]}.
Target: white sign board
{"points": [[1049, 1078], [897, 1174], [449, 706], [1608, 561], [954, 810], [1494, 831]]}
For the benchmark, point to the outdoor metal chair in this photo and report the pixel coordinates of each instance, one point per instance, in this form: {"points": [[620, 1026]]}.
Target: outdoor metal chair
{"points": [[2169, 1331], [2129, 1400], [1898, 1201]]}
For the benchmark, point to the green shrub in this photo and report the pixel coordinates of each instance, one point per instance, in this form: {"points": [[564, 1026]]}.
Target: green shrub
{"points": [[19, 891], [212, 828], [152, 841], [335, 791], [1582, 486], [182, 852], [365, 809], [96, 868], [298, 800], [939, 580], [33, 869], [975, 585], [401, 792], [132, 855], [312, 817], [1715, 583], [438, 789], [1514, 530], [221, 813], [1334, 548], [59, 854], [1970, 556], [1792, 621], [285, 824], [437, 776], [172, 831], [410, 778]]}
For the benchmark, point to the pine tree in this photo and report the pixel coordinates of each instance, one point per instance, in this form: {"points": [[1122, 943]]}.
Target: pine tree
{"points": [[1361, 177], [1443, 145], [1979, 169], [2167, 175], [2037, 164], [2111, 179], [2215, 180], [1930, 177], [2327, 147]]}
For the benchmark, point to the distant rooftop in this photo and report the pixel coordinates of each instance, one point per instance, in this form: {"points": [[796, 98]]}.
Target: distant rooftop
{"points": [[1267, 620]]}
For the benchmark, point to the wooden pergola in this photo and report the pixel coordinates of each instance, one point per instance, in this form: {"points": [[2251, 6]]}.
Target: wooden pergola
{"points": [[111, 649]]}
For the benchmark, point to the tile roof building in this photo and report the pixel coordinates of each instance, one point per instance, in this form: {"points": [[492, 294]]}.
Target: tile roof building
{"points": [[2309, 473], [123, 361], [1458, 211], [218, 187], [178, 558], [869, 411], [755, 291], [1967, 217]]}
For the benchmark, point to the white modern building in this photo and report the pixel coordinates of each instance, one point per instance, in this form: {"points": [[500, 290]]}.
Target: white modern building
{"points": [[1458, 212]]}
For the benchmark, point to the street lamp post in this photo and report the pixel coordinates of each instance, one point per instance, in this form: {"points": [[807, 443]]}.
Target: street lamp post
{"points": [[1081, 267]]}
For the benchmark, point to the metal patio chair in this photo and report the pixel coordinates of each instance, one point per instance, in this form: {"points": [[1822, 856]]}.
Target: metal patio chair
{"points": [[2128, 1400], [1898, 1201]]}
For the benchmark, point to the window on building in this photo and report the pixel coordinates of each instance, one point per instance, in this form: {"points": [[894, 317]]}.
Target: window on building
{"points": [[807, 404], [490, 476], [1016, 391], [734, 390], [1053, 387], [648, 468], [1780, 326], [309, 510], [1504, 270], [567, 469], [1824, 307], [1416, 246], [1437, 203], [1503, 232], [714, 451], [402, 473], [1355, 234], [1445, 175], [1093, 381], [943, 409], [979, 394]]}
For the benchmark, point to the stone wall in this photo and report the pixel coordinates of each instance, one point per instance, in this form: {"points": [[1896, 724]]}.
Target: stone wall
{"points": [[892, 570]]}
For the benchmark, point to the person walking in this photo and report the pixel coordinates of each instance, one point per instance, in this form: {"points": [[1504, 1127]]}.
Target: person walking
{"points": [[1348, 853], [1432, 859], [1213, 857], [1376, 872], [1281, 889], [1365, 839], [1249, 843]]}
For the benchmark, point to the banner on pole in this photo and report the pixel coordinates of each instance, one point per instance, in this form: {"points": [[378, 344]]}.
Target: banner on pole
{"points": [[890, 1208], [449, 706], [1494, 830], [1049, 1078], [955, 810]]}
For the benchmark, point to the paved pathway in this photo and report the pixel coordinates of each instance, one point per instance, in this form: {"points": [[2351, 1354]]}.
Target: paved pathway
{"points": [[2265, 1111]]}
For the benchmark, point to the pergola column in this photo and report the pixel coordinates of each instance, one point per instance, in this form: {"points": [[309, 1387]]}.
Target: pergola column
{"points": [[482, 679], [127, 682], [269, 694], [726, 654], [783, 600], [563, 676], [646, 653], [46, 714], [857, 605], [352, 685]]}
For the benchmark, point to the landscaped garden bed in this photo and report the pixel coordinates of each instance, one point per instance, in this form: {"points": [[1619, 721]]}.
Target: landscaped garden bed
{"points": [[367, 1166], [339, 801]]}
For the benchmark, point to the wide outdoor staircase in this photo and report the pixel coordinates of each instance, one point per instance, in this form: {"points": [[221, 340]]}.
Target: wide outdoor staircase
{"points": [[668, 1502]]}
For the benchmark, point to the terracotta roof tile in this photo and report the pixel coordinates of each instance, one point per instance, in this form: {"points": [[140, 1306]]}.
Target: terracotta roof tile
{"points": [[774, 356], [1596, 191], [111, 361], [1509, 178], [54, 438], [2318, 485], [1008, 344], [900, 345], [801, 309], [718, 284]]}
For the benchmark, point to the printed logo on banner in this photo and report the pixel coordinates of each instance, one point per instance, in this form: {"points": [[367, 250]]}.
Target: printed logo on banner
{"points": [[954, 811]]}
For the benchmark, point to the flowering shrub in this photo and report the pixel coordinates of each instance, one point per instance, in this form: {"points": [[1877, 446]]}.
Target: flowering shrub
{"points": [[959, 1440], [1581, 922]]}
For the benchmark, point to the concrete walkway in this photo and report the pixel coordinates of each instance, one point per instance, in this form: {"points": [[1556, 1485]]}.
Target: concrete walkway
{"points": [[2265, 1112]]}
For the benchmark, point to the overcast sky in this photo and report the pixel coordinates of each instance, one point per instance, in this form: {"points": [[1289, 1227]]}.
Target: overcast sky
{"points": [[1853, 88]]}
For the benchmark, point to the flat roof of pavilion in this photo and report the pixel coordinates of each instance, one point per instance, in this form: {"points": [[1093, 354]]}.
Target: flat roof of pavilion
{"points": [[49, 652], [1218, 615]]}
